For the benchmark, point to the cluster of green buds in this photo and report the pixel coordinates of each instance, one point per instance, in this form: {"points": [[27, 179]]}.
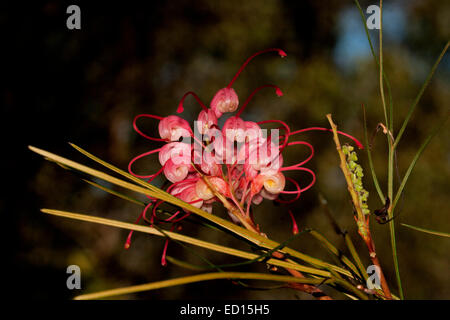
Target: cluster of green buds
{"points": [[356, 172]]}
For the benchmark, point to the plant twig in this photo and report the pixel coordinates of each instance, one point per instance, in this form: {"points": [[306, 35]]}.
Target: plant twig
{"points": [[361, 220]]}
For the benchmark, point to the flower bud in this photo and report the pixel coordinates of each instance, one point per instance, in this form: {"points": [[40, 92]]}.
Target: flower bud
{"points": [[206, 119], [189, 195], [179, 152], [273, 183], [175, 172], [234, 129], [225, 100], [173, 128]]}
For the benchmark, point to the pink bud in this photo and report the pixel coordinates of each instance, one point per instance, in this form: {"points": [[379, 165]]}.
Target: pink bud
{"points": [[225, 100], [177, 188], [265, 157], [175, 172], [179, 152], [220, 185], [203, 191], [172, 128], [250, 171], [206, 119], [253, 131], [209, 164], [274, 183], [257, 184], [189, 195], [234, 129]]}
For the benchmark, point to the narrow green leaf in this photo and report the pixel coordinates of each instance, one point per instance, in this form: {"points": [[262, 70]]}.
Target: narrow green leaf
{"points": [[330, 247], [199, 278], [354, 253], [436, 233], [183, 238], [186, 265], [369, 156], [419, 95], [115, 193], [416, 157]]}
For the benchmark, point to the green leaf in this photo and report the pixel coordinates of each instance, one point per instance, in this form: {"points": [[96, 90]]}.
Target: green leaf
{"points": [[330, 247], [183, 238], [436, 233], [419, 95], [199, 278], [369, 156], [416, 157]]}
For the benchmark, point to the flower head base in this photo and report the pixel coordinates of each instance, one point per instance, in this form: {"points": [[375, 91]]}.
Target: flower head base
{"points": [[238, 165]]}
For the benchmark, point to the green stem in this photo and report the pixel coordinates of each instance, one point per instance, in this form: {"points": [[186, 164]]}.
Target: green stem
{"points": [[369, 156]]}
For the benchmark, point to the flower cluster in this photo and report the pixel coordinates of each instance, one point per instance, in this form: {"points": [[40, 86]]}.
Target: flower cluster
{"points": [[237, 165], [356, 175]]}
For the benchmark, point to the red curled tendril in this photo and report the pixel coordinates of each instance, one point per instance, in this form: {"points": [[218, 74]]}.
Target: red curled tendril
{"points": [[358, 144], [151, 176], [303, 169], [297, 193], [140, 132], [277, 91], [288, 130], [166, 245], [180, 108], [307, 159], [142, 215], [280, 52]]}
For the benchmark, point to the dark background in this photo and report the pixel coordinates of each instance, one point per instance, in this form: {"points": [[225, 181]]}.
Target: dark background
{"points": [[85, 86]]}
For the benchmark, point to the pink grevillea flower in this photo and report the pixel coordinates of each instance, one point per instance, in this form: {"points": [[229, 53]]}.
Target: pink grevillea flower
{"points": [[190, 196], [178, 152], [225, 100], [206, 193], [234, 130], [209, 165], [238, 165], [172, 128], [253, 131], [175, 172], [272, 183]]}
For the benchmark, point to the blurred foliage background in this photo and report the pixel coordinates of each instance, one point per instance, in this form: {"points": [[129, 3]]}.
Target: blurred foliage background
{"points": [[85, 86]]}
